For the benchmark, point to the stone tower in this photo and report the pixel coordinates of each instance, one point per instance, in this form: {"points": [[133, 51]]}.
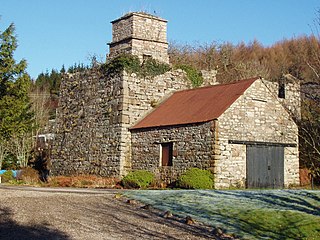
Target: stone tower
{"points": [[97, 109], [140, 34]]}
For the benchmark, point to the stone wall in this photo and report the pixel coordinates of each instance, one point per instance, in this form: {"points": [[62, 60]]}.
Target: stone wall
{"points": [[141, 95], [292, 99], [94, 114], [140, 34], [192, 147], [255, 116], [87, 137], [209, 77]]}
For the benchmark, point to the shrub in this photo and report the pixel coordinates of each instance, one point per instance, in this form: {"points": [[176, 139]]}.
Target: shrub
{"points": [[127, 62], [138, 179], [131, 63], [7, 176], [193, 74], [83, 181], [28, 175], [152, 68], [195, 178]]}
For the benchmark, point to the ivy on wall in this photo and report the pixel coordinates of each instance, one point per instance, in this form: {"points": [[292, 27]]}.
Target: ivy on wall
{"points": [[148, 68], [194, 75], [131, 64]]}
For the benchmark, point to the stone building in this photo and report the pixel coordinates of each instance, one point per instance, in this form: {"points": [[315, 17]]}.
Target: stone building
{"points": [[240, 130], [96, 109], [109, 124]]}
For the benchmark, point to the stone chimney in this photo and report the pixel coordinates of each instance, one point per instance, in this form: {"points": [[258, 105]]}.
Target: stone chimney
{"points": [[140, 34]]}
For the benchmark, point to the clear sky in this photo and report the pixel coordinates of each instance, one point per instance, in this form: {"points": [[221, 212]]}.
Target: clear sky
{"points": [[56, 32]]}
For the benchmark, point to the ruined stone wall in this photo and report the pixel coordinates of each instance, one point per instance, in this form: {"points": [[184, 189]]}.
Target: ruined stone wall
{"points": [[192, 147], [88, 126], [94, 116], [209, 77], [140, 34], [255, 116], [292, 100], [144, 94]]}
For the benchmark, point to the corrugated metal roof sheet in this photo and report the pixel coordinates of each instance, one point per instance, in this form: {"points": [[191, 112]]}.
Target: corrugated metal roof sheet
{"points": [[195, 105]]}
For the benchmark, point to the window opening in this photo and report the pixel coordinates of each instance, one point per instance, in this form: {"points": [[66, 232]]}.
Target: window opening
{"points": [[282, 90], [166, 154]]}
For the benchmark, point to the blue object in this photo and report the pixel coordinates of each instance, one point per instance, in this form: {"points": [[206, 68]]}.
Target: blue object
{"points": [[14, 172]]}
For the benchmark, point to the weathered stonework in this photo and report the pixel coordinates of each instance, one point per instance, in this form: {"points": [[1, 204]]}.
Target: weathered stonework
{"points": [[256, 116], [94, 114], [96, 111], [88, 117], [292, 94], [140, 34], [209, 77], [192, 147]]}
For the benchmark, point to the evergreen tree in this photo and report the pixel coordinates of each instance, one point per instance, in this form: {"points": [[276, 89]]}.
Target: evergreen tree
{"points": [[16, 117], [15, 114]]}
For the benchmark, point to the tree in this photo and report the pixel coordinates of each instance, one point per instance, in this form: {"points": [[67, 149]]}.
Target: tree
{"points": [[309, 136], [16, 116], [309, 128]]}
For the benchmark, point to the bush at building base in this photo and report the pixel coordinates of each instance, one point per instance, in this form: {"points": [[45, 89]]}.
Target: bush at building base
{"points": [[195, 178], [138, 179]]}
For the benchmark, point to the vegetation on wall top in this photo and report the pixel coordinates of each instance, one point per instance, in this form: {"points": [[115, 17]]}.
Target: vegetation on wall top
{"points": [[131, 64], [149, 68], [194, 75]]}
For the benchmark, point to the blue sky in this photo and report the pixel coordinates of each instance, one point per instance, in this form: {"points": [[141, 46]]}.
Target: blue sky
{"points": [[56, 32]]}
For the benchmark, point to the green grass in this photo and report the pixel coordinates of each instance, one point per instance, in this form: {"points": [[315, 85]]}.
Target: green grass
{"points": [[268, 214]]}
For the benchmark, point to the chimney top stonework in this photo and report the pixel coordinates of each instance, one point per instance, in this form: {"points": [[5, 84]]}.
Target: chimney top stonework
{"points": [[140, 34]]}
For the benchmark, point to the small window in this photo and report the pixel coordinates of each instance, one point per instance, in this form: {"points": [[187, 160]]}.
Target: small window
{"points": [[282, 90], [166, 154]]}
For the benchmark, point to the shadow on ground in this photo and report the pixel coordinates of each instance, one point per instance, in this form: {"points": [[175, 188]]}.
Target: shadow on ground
{"points": [[9, 229], [252, 214]]}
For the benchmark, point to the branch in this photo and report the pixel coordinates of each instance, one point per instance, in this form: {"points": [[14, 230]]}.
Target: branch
{"points": [[313, 69], [311, 143]]}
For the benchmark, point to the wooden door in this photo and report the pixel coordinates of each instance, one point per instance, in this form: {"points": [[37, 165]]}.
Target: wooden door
{"points": [[265, 166]]}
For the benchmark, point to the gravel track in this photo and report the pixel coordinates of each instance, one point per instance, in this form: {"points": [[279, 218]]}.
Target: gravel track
{"points": [[60, 213]]}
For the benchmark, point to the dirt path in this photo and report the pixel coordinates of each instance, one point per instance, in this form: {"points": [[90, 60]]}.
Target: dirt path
{"points": [[29, 213]]}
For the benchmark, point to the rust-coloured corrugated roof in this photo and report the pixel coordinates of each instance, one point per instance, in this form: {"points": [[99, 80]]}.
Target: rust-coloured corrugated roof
{"points": [[195, 105]]}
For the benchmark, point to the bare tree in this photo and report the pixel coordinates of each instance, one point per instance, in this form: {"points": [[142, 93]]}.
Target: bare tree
{"points": [[3, 151], [21, 147], [40, 105], [309, 135]]}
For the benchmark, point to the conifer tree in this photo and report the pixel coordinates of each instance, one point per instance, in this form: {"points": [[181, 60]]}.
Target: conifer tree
{"points": [[16, 117]]}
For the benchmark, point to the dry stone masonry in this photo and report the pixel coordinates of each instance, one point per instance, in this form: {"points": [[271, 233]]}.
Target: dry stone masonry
{"points": [[192, 147], [257, 116], [97, 109], [221, 144], [140, 34], [94, 116]]}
